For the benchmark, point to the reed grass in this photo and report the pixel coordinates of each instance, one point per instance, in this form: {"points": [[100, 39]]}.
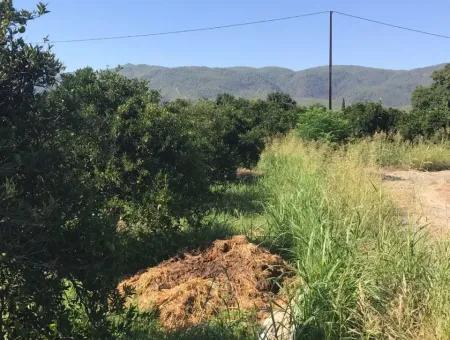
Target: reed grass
{"points": [[395, 152], [362, 273]]}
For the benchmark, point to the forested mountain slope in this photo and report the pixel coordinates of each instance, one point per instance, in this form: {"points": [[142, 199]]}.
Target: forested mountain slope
{"points": [[354, 83]]}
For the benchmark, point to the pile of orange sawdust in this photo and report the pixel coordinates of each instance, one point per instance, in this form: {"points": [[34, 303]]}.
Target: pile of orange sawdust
{"points": [[191, 288]]}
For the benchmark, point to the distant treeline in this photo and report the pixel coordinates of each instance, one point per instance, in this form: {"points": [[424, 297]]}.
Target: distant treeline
{"points": [[429, 117]]}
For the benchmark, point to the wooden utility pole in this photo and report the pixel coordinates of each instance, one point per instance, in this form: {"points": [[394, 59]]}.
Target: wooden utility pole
{"points": [[330, 66]]}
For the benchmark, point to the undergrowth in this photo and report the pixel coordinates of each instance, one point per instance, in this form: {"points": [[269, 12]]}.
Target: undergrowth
{"points": [[395, 152], [362, 273], [230, 325]]}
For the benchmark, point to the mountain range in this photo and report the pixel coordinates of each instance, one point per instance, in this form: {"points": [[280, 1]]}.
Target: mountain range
{"points": [[353, 83]]}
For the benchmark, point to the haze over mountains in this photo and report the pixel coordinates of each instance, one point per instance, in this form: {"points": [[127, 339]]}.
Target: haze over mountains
{"points": [[354, 83]]}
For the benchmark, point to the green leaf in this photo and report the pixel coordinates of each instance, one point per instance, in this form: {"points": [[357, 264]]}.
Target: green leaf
{"points": [[42, 8]]}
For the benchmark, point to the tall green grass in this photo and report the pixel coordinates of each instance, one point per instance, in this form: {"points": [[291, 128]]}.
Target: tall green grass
{"points": [[361, 272], [398, 153]]}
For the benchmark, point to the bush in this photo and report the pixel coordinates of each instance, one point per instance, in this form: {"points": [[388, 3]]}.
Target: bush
{"points": [[321, 124], [426, 123], [129, 146], [30, 287], [430, 114], [95, 152], [367, 119], [232, 132], [251, 123]]}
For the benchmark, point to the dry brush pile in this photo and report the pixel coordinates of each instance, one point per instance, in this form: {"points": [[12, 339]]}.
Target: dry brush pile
{"points": [[230, 275]]}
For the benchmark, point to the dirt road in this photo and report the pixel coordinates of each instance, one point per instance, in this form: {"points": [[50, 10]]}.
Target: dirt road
{"points": [[423, 196]]}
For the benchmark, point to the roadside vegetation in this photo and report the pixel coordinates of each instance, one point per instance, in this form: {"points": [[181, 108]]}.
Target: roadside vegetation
{"points": [[363, 272], [99, 179], [400, 154]]}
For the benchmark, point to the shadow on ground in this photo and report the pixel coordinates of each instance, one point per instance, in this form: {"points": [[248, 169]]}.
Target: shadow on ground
{"points": [[242, 199], [243, 196]]}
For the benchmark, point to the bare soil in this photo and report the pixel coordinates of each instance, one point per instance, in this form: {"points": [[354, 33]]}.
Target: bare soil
{"points": [[193, 287], [247, 174], [423, 196]]}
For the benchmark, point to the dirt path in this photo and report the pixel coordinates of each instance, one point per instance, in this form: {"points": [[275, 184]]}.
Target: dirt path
{"points": [[423, 196]]}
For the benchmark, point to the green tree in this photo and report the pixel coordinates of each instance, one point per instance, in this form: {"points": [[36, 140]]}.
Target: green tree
{"points": [[283, 100], [232, 132], [127, 143], [30, 291], [369, 118], [321, 124], [54, 230], [431, 108], [251, 123]]}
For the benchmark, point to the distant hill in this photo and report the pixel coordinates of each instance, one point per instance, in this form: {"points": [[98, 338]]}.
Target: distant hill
{"points": [[354, 83]]}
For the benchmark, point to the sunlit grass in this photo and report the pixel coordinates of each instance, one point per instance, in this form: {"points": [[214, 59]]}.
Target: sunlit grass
{"points": [[364, 273], [394, 152]]}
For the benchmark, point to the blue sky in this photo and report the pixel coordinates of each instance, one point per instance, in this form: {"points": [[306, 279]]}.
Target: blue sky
{"points": [[296, 44]]}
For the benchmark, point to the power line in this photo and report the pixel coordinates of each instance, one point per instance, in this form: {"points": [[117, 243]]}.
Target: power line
{"points": [[200, 29], [395, 26], [249, 23]]}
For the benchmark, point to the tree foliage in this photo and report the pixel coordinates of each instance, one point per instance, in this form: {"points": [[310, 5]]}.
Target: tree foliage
{"points": [[369, 118], [28, 206], [94, 169], [231, 132], [431, 108], [318, 123]]}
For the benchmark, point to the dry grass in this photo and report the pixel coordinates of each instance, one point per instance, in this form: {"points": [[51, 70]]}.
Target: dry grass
{"points": [[195, 287], [396, 153], [367, 273]]}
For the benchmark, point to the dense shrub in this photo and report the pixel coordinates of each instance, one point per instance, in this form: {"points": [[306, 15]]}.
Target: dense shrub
{"points": [[430, 114], [320, 124], [95, 152], [127, 144], [251, 123], [369, 118], [231, 132], [427, 123], [25, 202]]}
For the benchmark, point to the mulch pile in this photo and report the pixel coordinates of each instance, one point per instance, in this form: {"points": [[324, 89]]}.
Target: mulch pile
{"points": [[191, 288]]}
